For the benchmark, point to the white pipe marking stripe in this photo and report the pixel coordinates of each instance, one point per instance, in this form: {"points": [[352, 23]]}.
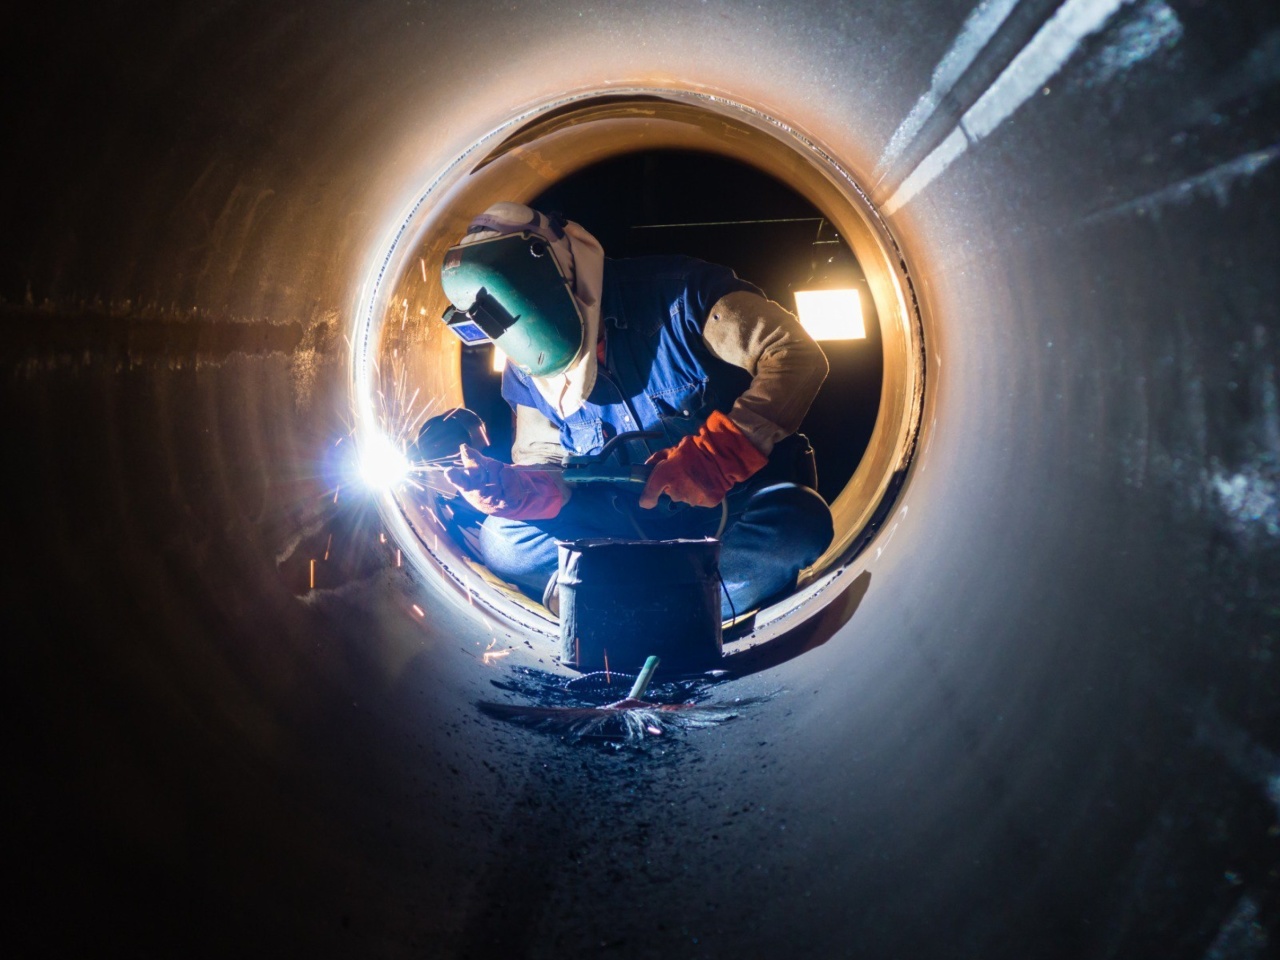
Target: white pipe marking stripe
{"points": [[1216, 181], [1035, 63], [930, 167], [977, 31], [1049, 49]]}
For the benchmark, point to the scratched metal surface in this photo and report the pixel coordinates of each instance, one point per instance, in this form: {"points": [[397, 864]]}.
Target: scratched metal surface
{"points": [[1050, 727]]}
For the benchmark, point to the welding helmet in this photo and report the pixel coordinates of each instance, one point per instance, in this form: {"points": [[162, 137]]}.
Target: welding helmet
{"points": [[510, 289]]}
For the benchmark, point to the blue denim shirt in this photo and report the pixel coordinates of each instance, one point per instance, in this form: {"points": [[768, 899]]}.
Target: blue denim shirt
{"points": [[658, 373]]}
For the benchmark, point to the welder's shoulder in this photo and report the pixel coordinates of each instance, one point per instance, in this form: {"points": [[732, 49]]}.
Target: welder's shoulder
{"points": [[672, 269], [673, 280]]}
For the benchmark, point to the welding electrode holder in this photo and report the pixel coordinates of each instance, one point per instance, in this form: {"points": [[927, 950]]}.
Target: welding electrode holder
{"points": [[612, 464]]}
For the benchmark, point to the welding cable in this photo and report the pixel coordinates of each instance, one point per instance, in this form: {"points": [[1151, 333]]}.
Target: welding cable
{"points": [[636, 526], [733, 610], [635, 522], [724, 522], [615, 501]]}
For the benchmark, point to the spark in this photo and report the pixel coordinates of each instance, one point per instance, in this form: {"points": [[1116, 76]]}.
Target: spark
{"points": [[607, 679], [335, 492], [327, 546], [313, 573], [339, 441], [397, 416], [386, 425], [654, 731], [418, 610], [382, 464], [423, 263]]}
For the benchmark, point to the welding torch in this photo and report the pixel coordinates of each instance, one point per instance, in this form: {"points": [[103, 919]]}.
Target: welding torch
{"points": [[440, 437], [436, 450], [610, 466]]}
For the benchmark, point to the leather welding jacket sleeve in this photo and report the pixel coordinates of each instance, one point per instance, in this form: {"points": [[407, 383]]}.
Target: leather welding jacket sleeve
{"points": [[537, 440], [787, 367]]}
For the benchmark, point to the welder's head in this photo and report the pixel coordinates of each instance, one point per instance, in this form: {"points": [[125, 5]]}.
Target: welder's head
{"points": [[518, 279]]}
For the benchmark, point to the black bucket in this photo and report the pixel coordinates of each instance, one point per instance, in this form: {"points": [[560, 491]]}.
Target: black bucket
{"points": [[630, 599]]}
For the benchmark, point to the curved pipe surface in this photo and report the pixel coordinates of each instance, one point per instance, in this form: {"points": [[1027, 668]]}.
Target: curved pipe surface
{"points": [[1045, 723]]}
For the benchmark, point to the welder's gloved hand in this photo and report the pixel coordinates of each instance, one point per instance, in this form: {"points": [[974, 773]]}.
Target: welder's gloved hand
{"points": [[702, 468], [502, 490]]}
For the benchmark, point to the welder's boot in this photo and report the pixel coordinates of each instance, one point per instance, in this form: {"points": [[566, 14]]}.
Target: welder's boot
{"points": [[551, 596]]}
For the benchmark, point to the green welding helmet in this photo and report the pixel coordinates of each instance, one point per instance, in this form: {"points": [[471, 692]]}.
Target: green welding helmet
{"points": [[511, 292]]}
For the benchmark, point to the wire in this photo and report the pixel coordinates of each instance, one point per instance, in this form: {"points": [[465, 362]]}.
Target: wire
{"points": [[724, 223], [724, 521], [725, 587], [615, 501]]}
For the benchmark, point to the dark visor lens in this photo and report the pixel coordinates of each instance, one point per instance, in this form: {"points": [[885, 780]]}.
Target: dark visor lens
{"points": [[484, 322], [466, 329]]}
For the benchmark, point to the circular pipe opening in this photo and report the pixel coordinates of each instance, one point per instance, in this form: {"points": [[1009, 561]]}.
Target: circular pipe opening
{"points": [[406, 366]]}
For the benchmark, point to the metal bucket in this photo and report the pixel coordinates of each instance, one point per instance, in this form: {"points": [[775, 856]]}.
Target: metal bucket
{"points": [[625, 600]]}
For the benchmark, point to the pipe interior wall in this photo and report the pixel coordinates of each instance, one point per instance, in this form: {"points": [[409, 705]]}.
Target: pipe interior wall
{"points": [[1050, 725]]}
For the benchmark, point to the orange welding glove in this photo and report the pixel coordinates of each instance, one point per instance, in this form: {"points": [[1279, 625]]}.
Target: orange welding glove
{"points": [[502, 490], [701, 469]]}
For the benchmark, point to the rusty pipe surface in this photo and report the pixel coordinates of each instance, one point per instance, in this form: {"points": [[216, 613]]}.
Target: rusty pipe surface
{"points": [[1043, 724]]}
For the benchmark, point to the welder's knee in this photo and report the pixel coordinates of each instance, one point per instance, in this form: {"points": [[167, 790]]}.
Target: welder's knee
{"points": [[799, 514], [518, 552], [813, 527]]}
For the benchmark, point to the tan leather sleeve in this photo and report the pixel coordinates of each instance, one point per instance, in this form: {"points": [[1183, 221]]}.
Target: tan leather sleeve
{"points": [[786, 365], [537, 444], [537, 441]]}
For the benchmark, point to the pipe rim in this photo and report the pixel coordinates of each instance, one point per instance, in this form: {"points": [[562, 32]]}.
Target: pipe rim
{"points": [[518, 159]]}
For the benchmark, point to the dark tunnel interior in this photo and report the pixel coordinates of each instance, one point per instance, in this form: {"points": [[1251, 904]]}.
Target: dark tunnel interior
{"points": [[1031, 709]]}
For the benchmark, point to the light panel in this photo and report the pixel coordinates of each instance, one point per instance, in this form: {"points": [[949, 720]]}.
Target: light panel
{"points": [[831, 314]]}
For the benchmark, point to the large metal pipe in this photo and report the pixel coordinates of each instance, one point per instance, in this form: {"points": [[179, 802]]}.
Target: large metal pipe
{"points": [[1047, 723]]}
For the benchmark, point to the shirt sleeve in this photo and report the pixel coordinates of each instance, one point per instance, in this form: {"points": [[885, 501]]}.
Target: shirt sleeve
{"points": [[516, 388], [786, 365]]}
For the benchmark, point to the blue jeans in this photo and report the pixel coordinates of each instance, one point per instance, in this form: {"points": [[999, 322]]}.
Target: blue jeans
{"points": [[773, 531]]}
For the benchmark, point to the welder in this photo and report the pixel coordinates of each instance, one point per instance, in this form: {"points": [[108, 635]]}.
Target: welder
{"points": [[597, 348]]}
